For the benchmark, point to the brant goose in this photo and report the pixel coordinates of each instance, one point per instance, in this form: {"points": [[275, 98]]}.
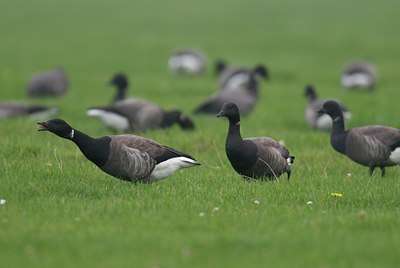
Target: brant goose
{"points": [[317, 120], [187, 61], [257, 158], [245, 99], [371, 146], [126, 157], [15, 109], [359, 74], [235, 77], [51, 83], [136, 114]]}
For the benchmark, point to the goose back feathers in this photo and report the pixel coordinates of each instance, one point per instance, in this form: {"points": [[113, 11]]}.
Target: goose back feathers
{"points": [[126, 157], [235, 77], [187, 61], [371, 146], [51, 83], [258, 158]]}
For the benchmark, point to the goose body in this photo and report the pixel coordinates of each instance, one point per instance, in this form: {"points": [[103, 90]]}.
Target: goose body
{"points": [[126, 157], [16, 109], [51, 83], [187, 62], [135, 114], [258, 158], [315, 119], [359, 74], [245, 99], [371, 146], [236, 77]]}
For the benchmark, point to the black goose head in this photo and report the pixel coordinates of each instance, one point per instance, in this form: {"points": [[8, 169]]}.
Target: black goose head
{"points": [[58, 127], [176, 116], [262, 71], [309, 92], [231, 111], [120, 80], [332, 108], [220, 65]]}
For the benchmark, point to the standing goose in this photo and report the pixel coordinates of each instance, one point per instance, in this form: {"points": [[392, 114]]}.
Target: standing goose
{"points": [[359, 74], [245, 99], [16, 109], [126, 157], [234, 77], [315, 119], [257, 158], [136, 114], [51, 83], [187, 61], [371, 146]]}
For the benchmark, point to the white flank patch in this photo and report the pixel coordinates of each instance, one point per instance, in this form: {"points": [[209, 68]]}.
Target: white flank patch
{"points": [[362, 80], [2, 201], [187, 63], [395, 155], [237, 81], [166, 168], [109, 119], [324, 122]]}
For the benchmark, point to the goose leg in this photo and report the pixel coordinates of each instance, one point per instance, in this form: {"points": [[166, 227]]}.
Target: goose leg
{"points": [[288, 175], [383, 171], [371, 170]]}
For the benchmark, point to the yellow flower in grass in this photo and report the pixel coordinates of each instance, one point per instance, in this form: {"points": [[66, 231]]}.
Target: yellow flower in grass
{"points": [[337, 194]]}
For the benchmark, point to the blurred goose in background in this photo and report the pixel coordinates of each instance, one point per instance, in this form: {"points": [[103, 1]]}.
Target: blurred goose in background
{"points": [[245, 99], [188, 61], [315, 119], [257, 158], [360, 74], [16, 109], [51, 83], [371, 146], [134, 114], [235, 77], [126, 157]]}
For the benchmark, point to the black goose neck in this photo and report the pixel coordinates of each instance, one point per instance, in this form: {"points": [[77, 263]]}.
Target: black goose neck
{"points": [[338, 134], [234, 128], [96, 150], [121, 93]]}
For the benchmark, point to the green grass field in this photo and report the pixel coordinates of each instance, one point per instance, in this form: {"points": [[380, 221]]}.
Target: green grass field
{"points": [[62, 211]]}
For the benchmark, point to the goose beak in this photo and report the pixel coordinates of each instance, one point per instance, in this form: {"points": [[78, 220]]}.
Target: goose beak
{"points": [[220, 114], [42, 126]]}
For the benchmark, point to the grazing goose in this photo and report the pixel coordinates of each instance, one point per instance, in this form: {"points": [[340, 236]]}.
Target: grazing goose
{"points": [[136, 114], [359, 74], [245, 99], [187, 62], [126, 157], [233, 77], [16, 109], [257, 158], [371, 146], [317, 120], [51, 83]]}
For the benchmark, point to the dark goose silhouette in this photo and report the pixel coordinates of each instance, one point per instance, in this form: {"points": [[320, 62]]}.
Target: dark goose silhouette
{"points": [[258, 158], [50, 83], [16, 109], [237, 77], [135, 114], [126, 157], [315, 119], [371, 146]]}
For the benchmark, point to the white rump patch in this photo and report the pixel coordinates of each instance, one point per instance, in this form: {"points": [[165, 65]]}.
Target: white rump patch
{"points": [[109, 119], [187, 63], [237, 81], [395, 155], [166, 168], [362, 80]]}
